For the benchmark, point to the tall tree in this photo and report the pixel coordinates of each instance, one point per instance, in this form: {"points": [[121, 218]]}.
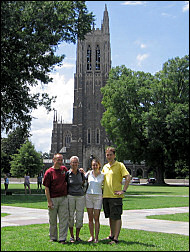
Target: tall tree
{"points": [[27, 160], [147, 117], [11, 144], [30, 34]]}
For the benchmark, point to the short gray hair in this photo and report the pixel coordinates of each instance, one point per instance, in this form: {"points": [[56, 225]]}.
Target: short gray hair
{"points": [[74, 157]]}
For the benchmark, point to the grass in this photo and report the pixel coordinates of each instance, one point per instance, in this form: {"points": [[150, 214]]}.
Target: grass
{"points": [[169, 196], [172, 217], [35, 238], [132, 190], [4, 214]]}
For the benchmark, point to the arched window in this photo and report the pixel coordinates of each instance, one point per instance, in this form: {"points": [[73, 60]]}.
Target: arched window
{"points": [[67, 139], [97, 57], [88, 58], [89, 136], [98, 136]]}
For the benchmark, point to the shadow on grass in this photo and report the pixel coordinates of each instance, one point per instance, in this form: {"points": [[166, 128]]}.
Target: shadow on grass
{"points": [[13, 199], [106, 242]]}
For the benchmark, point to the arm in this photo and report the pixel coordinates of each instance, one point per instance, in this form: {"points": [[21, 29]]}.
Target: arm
{"points": [[82, 170], [47, 193], [127, 180], [126, 185]]}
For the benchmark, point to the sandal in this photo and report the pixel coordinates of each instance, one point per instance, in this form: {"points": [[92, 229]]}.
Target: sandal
{"points": [[114, 241], [72, 239], [78, 239], [91, 239], [109, 238]]}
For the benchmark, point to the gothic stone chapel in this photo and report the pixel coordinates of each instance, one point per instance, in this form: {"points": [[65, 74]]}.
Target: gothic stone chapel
{"points": [[85, 136]]}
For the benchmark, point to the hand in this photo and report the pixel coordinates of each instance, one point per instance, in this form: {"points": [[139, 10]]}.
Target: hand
{"points": [[119, 192], [50, 205], [82, 170]]}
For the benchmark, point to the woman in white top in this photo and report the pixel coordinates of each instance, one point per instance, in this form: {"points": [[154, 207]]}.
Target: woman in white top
{"points": [[94, 198]]}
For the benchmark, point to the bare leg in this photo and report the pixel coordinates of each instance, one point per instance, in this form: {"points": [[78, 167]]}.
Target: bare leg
{"points": [[91, 223], [71, 232], [29, 189], [97, 223], [116, 227], [112, 227], [25, 189], [77, 232]]}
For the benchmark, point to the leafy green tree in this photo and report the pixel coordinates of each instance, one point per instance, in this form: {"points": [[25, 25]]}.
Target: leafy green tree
{"points": [[11, 144], [147, 117], [27, 160], [30, 34], [5, 165]]}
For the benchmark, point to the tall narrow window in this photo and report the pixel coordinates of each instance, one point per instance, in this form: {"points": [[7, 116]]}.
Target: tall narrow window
{"points": [[67, 138], [97, 136], [97, 57], [88, 136], [88, 58]]}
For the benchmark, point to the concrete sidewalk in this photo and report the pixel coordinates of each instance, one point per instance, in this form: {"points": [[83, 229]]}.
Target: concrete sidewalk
{"points": [[131, 219]]}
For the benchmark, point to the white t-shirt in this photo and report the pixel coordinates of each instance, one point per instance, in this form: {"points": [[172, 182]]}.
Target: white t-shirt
{"points": [[94, 183]]}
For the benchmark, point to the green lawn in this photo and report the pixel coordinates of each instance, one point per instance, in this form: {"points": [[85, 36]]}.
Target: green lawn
{"points": [[172, 217], [132, 190], [36, 237], [168, 196]]}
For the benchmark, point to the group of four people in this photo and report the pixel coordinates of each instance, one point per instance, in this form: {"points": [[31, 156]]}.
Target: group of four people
{"points": [[67, 199]]}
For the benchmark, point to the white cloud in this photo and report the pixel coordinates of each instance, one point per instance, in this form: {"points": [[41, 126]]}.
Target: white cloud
{"points": [[139, 43], [164, 14], [42, 126], [64, 65], [134, 3], [141, 57], [142, 46], [186, 6]]}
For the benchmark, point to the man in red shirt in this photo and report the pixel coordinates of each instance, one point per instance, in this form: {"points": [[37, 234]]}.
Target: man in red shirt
{"points": [[56, 194]]}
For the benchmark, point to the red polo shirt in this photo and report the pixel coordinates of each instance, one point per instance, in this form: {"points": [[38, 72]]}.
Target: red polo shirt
{"points": [[55, 180]]}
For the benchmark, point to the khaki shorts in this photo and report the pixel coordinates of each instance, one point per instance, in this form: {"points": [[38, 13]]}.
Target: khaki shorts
{"points": [[113, 208], [94, 201]]}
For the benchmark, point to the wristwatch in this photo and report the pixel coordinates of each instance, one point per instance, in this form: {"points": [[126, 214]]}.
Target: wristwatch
{"points": [[124, 190]]}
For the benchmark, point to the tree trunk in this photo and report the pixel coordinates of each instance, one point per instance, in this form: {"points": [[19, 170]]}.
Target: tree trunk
{"points": [[160, 175]]}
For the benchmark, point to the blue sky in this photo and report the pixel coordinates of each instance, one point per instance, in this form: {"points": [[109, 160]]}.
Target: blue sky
{"points": [[143, 34]]}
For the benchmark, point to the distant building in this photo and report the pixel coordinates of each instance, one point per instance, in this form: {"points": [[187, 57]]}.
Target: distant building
{"points": [[85, 136]]}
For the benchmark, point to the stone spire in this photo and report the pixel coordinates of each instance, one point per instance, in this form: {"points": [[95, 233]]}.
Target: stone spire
{"points": [[105, 25]]}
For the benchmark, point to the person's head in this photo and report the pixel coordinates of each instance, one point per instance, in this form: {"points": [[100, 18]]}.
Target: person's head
{"points": [[58, 160], [96, 165], [74, 162], [110, 154]]}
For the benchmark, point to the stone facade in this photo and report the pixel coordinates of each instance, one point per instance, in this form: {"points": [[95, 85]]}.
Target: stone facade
{"points": [[85, 136]]}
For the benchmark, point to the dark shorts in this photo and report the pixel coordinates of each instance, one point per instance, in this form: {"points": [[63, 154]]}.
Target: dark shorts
{"points": [[113, 208]]}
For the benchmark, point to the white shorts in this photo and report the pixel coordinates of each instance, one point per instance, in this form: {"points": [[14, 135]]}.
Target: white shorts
{"points": [[94, 201]]}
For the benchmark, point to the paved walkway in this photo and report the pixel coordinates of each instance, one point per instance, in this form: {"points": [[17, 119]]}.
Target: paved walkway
{"points": [[131, 219]]}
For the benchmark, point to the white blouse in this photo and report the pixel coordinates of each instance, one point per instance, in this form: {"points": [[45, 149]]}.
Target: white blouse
{"points": [[94, 183]]}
